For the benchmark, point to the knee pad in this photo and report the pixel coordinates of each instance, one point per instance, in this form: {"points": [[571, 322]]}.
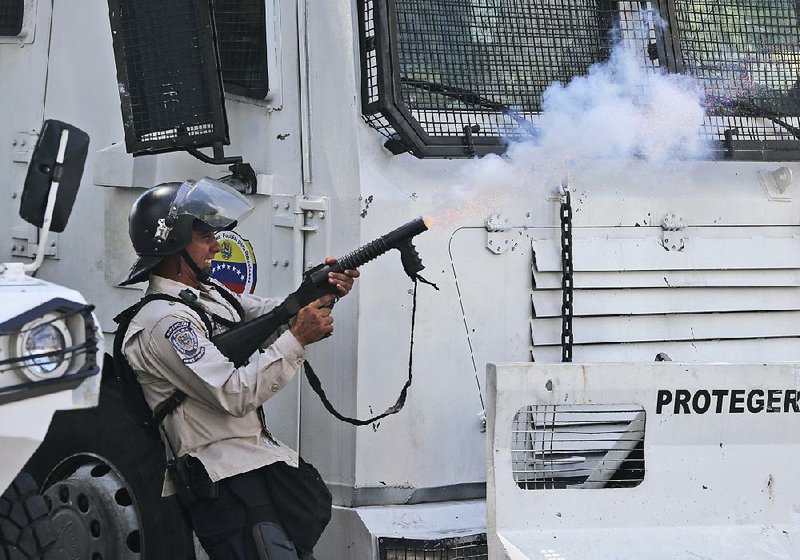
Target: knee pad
{"points": [[272, 543]]}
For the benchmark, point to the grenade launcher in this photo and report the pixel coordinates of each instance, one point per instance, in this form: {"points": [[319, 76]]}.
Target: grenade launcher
{"points": [[240, 342]]}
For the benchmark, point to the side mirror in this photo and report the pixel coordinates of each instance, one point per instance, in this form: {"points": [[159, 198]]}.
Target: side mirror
{"points": [[54, 161]]}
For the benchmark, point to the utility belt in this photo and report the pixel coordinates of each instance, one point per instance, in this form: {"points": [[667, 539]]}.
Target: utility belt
{"points": [[191, 479]]}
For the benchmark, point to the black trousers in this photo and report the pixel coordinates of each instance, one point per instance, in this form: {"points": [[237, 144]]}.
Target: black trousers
{"points": [[294, 498]]}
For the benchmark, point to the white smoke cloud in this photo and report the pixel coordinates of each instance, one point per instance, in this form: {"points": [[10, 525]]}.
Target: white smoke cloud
{"points": [[620, 110]]}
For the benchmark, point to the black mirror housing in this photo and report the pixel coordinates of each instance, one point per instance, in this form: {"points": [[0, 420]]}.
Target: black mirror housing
{"points": [[43, 170]]}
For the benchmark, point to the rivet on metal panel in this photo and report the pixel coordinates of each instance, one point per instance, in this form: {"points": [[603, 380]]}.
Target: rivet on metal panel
{"points": [[286, 262]]}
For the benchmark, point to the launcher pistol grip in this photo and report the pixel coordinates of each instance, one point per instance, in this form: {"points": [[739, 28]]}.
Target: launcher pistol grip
{"points": [[409, 257]]}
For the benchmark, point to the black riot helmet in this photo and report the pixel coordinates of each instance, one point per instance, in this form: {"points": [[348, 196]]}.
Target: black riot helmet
{"points": [[161, 220]]}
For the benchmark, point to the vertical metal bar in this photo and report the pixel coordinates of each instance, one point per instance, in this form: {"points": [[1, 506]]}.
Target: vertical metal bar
{"points": [[566, 277], [304, 93]]}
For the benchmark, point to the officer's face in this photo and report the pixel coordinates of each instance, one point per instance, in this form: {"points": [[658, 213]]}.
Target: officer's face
{"points": [[203, 248]]}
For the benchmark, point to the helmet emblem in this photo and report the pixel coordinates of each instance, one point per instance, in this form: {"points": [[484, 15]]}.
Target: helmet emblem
{"points": [[162, 231]]}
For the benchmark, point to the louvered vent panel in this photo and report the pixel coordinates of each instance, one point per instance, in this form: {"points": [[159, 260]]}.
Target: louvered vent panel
{"points": [[730, 295], [578, 446]]}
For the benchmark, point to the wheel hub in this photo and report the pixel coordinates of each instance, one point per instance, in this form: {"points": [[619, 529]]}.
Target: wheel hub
{"points": [[94, 514]]}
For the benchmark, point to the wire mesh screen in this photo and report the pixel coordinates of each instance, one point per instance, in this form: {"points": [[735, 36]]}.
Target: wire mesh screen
{"points": [[459, 77], [241, 39], [168, 74], [473, 71], [578, 446], [747, 55], [11, 16], [471, 547]]}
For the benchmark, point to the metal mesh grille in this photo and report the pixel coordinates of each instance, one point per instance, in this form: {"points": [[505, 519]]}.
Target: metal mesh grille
{"points": [[168, 74], [241, 39], [370, 87], [578, 446], [747, 55], [442, 73], [506, 53], [472, 547], [11, 14], [484, 64]]}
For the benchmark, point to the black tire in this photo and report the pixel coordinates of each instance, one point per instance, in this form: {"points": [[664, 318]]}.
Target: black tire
{"points": [[26, 530], [103, 475]]}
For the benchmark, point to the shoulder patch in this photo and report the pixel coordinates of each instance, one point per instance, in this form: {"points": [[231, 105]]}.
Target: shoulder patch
{"points": [[184, 339]]}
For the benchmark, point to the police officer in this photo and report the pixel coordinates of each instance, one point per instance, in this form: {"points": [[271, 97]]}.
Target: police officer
{"points": [[218, 431]]}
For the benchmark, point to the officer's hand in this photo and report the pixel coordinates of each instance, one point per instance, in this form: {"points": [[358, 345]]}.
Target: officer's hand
{"points": [[314, 321], [342, 280]]}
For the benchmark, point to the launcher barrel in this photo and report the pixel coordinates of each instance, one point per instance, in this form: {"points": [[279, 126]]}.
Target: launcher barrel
{"points": [[240, 342]]}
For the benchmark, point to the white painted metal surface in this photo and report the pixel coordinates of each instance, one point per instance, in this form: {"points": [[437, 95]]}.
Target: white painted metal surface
{"points": [[737, 236], [716, 485], [356, 532], [23, 424]]}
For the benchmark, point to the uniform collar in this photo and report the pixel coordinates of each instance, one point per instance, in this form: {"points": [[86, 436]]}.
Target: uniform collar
{"points": [[161, 285]]}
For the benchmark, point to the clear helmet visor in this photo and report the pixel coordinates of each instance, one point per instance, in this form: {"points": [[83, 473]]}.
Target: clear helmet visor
{"points": [[212, 202]]}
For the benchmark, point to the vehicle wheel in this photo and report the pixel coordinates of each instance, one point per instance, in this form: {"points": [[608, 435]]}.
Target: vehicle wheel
{"points": [[103, 475], [26, 530]]}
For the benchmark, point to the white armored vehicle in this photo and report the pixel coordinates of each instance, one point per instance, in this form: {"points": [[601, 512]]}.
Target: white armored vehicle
{"points": [[49, 343], [607, 183]]}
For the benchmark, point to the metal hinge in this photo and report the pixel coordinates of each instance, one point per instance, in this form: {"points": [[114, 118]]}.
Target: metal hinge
{"points": [[499, 234], [22, 146], [25, 242], [315, 209], [299, 212], [672, 238]]}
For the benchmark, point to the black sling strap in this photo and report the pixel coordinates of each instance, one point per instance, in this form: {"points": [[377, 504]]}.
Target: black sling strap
{"points": [[316, 384], [126, 376], [230, 297], [134, 397], [131, 389]]}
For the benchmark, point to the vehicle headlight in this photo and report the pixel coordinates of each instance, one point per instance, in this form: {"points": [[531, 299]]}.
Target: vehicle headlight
{"points": [[42, 343]]}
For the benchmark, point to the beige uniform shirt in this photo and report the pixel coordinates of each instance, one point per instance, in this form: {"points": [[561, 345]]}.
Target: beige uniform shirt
{"points": [[219, 422]]}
